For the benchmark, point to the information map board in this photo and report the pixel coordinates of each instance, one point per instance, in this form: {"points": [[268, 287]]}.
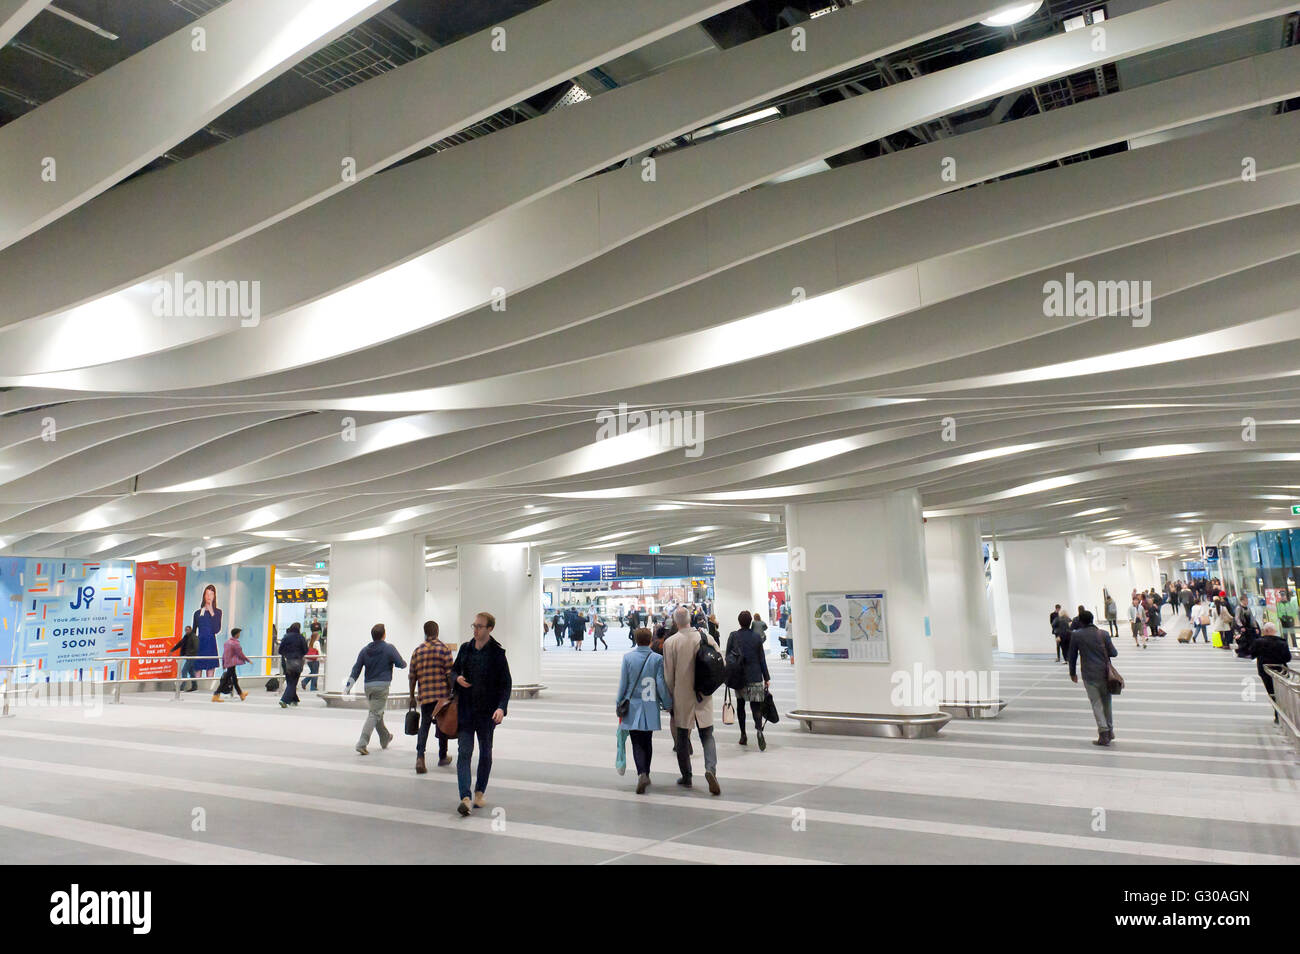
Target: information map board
{"points": [[847, 627]]}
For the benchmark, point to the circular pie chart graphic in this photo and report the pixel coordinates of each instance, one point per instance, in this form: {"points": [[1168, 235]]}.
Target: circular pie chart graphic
{"points": [[828, 618]]}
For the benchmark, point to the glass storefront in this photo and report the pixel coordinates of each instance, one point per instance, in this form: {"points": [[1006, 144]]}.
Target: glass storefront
{"points": [[1265, 565]]}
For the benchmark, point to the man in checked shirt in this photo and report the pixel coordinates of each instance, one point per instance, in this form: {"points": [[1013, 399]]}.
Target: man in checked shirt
{"points": [[430, 678]]}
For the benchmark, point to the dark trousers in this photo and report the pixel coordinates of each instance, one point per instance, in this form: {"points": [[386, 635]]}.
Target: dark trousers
{"points": [[598, 639], [642, 749], [187, 672], [755, 709], [292, 672], [426, 719], [1113, 626], [472, 725], [229, 682], [559, 636], [309, 684]]}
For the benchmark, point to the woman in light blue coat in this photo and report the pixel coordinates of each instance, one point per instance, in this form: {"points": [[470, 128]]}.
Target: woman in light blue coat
{"points": [[641, 684]]}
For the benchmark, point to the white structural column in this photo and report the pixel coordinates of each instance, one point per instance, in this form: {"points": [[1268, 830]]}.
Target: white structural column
{"points": [[852, 547], [373, 581], [149, 102], [959, 619], [442, 603], [739, 583], [1029, 578], [505, 579]]}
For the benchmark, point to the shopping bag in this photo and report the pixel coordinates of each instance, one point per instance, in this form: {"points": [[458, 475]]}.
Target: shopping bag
{"points": [[620, 751], [1217, 639], [728, 710]]}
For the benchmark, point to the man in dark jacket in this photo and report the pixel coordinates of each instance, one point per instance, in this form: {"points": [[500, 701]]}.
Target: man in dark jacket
{"points": [[482, 698], [188, 645], [293, 650], [747, 645], [1061, 630], [1094, 647], [1269, 648], [378, 660]]}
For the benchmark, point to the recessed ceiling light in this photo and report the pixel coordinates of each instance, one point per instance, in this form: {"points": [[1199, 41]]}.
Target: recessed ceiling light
{"points": [[1013, 13]]}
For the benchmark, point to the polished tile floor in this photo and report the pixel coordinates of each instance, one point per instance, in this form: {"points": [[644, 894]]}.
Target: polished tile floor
{"points": [[1198, 775]]}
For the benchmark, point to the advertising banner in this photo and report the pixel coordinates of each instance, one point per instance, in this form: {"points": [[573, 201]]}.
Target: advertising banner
{"points": [[847, 627], [156, 625], [244, 600], [69, 618]]}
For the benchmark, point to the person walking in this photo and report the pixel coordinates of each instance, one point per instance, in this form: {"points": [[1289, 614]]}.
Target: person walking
{"points": [[1267, 648], [232, 657], [577, 630], [1187, 598], [377, 659], [293, 654], [1061, 630], [690, 708], [1200, 618], [598, 634], [1222, 624], [430, 684], [311, 683], [641, 685], [482, 700], [1153, 617], [759, 626], [1092, 650], [188, 647], [557, 629], [745, 642], [1112, 614]]}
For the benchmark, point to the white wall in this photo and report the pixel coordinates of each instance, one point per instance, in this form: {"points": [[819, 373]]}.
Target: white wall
{"points": [[373, 581], [739, 583], [442, 603], [505, 579], [958, 603]]}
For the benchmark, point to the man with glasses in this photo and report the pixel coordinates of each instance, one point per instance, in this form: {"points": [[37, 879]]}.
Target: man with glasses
{"points": [[482, 698]]}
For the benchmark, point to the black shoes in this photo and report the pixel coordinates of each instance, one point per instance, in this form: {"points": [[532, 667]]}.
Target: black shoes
{"points": [[642, 782], [1104, 738], [744, 739], [684, 781], [762, 742]]}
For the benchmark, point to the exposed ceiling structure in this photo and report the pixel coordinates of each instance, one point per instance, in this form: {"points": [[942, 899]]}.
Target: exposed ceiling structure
{"points": [[408, 268]]}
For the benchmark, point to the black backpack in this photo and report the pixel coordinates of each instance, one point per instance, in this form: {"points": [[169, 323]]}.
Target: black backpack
{"points": [[710, 670], [735, 671], [272, 684]]}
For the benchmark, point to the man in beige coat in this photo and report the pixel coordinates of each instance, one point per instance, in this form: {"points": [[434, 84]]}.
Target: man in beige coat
{"points": [[688, 708]]}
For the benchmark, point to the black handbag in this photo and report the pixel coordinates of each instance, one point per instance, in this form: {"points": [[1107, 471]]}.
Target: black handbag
{"points": [[625, 704], [413, 719], [769, 708]]}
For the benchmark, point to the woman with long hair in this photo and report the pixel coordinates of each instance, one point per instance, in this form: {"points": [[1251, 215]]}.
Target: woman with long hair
{"points": [[207, 623]]}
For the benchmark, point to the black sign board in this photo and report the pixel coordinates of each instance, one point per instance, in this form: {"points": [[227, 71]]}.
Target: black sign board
{"points": [[634, 564], [702, 566], [669, 566], [312, 594]]}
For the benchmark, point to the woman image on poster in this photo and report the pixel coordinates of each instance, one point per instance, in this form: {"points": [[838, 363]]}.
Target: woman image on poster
{"points": [[207, 624]]}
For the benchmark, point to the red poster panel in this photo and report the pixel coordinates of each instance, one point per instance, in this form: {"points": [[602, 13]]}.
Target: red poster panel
{"points": [[156, 623]]}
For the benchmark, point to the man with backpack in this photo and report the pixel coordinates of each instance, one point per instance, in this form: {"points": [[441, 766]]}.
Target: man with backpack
{"points": [[693, 668]]}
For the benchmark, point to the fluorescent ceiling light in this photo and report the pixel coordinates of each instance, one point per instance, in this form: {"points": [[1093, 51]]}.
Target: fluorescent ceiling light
{"points": [[748, 118], [1012, 14], [85, 24]]}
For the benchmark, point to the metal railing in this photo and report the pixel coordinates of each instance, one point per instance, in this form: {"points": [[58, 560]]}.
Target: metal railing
{"points": [[179, 680], [5, 691], [1286, 699]]}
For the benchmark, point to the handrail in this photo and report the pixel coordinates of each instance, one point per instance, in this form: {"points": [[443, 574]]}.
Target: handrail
{"points": [[1286, 698]]}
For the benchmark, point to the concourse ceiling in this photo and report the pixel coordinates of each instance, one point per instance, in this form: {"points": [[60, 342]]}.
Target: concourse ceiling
{"points": [[597, 275]]}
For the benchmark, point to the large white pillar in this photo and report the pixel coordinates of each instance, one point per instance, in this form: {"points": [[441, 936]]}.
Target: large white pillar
{"points": [[862, 547], [505, 579], [739, 583], [442, 603], [959, 618], [373, 581], [1030, 577]]}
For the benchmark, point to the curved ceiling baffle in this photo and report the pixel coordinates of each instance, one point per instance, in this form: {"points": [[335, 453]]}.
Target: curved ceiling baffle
{"points": [[153, 100], [468, 186], [474, 424], [255, 180]]}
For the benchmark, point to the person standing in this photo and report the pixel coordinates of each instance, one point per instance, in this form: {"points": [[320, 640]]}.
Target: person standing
{"points": [[188, 647], [1112, 614], [207, 623], [1187, 598], [1137, 620], [482, 700], [642, 686], [1200, 618], [293, 653], [1095, 649], [313, 659], [577, 630], [747, 644], [232, 657], [759, 626], [378, 660], [430, 684], [557, 628], [1153, 617], [690, 708]]}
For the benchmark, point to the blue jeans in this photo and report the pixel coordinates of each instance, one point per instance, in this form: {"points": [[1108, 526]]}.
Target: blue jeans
{"points": [[422, 737], [470, 726], [188, 672], [309, 683], [1199, 630]]}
